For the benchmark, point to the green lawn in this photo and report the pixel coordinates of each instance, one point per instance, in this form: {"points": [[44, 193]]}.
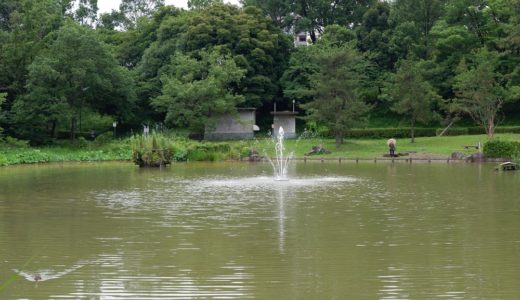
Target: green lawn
{"points": [[370, 148]]}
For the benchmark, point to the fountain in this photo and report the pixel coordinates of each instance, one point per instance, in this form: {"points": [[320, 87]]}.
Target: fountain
{"points": [[281, 162]]}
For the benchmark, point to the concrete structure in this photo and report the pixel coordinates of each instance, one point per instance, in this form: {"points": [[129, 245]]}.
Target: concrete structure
{"points": [[229, 127], [301, 39], [287, 120]]}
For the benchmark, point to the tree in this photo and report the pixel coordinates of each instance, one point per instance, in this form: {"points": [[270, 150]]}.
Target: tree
{"points": [[29, 23], [480, 89], [412, 96], [243, 34], [420, 15], [133, 10], [194, 89], [280, 12], [86, 11], [374, 35], [296, 79], [200, 4], [313, 15], [335, 88], [76, 73], [303, 64]]}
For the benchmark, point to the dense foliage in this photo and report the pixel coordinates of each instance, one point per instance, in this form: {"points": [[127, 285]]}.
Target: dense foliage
{"points": [[502, 148], [66, 68]]}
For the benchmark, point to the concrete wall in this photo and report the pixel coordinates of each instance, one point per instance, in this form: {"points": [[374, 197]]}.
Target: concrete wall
{"points": [[288, 122], [228, 127]]}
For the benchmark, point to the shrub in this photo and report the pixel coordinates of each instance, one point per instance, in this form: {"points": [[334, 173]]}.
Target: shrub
{"points": [[152, 151], [80, 142], [104, 138], [208, 151], [500, 148], [11, 142]]}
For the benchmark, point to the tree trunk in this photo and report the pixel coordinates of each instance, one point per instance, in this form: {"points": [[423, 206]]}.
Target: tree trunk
{"points": [[53, 129], [339, 139], [313, 36], [447, 127], [73, 129], [412, 133], [490, 128]]}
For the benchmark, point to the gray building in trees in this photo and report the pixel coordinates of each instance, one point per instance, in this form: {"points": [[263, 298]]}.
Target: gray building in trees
{"points": [[233, 127], [287, 120]]}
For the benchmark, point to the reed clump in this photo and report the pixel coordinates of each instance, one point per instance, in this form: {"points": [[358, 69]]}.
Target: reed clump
{"points": [[151, 151]]}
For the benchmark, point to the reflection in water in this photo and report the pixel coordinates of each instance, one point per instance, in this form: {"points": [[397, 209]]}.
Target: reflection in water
{"points": [[281, 219]]}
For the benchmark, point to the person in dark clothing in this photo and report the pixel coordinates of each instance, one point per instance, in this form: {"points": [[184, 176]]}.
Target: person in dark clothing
{"points": [[391, 146]]}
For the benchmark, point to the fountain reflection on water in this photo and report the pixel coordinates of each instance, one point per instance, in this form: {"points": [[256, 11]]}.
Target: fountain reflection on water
{"points": [[281, 162]]}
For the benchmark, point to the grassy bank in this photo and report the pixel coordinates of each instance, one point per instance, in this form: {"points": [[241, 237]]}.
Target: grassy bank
{"points": [[370, 148], [182, 149]]}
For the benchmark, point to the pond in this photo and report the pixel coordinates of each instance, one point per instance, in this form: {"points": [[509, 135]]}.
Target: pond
{"points": [[228, 230]]}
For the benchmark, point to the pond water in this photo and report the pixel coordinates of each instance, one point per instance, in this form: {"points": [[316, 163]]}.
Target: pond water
{"points": [[229, 231]]}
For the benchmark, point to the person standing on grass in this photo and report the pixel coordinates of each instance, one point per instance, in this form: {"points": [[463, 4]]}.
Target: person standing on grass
{"points": [[391, 146]]}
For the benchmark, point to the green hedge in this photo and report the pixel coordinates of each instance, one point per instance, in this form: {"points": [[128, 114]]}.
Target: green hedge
{"points": [[477, 130], [377, 133], [454, 131], [404, 132], [503, 149]]}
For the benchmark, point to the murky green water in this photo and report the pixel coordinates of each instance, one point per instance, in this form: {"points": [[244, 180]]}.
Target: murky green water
{"points": [[227, 230]]}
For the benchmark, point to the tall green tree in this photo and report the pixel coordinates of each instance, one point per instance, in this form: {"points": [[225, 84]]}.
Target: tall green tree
{"points": [[133, 10], [303, 64], [197, 89], [75, 74], [244, 34], [414, 19], [85, 11], [412, 96], [335, 88], [27, 25], [313, 16], [480, 90], [374, 35], [200, 4]]}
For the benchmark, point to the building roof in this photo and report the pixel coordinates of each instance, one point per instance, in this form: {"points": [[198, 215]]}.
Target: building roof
{"points": [[284, 113]]}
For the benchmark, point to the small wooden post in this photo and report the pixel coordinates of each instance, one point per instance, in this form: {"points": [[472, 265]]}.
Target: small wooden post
{"points": [[357, 160], [339, 159], [305, 159], [375, 159]]}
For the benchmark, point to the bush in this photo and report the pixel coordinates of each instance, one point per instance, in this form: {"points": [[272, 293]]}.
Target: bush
{"points": [[208, 151], [502, 149], [152, 151], [11, 142], [104, 138]]}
